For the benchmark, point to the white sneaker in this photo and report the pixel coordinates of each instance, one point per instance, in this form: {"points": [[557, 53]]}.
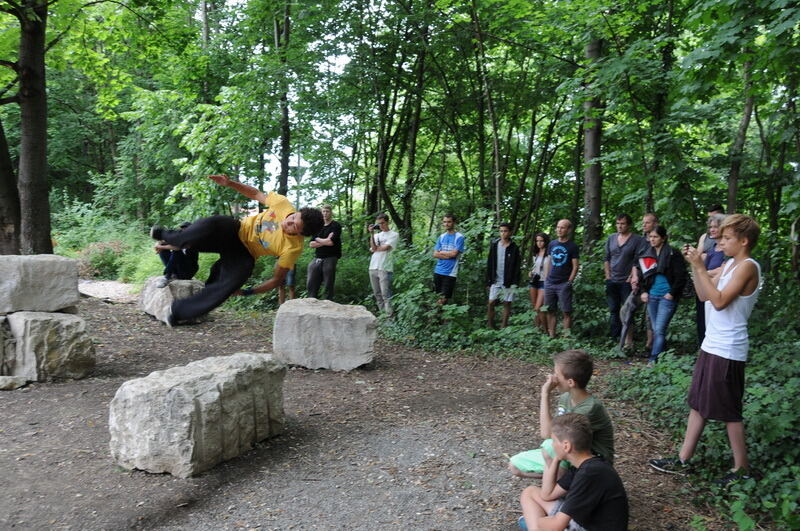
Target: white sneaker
{"points": [[162, 282]]}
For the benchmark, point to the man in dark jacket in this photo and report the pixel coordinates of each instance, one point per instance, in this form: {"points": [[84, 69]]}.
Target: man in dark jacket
{"points": [[502, 273]]}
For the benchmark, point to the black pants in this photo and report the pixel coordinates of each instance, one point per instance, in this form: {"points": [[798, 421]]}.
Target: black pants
{"points": [[320, 269], [217, 234]]}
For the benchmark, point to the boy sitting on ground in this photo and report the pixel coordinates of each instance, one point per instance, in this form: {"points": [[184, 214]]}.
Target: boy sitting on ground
{"points": [[589, 496], [571, 373]]}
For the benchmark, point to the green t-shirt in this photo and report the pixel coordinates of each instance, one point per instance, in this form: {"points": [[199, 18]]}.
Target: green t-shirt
{"points": [[602, 430]]}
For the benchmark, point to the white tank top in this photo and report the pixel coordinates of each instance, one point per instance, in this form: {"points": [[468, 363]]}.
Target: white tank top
{"points": [[726, 329]]}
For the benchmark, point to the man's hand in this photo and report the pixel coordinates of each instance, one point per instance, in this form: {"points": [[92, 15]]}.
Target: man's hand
{"points": [[221, 180], [314, 244]]}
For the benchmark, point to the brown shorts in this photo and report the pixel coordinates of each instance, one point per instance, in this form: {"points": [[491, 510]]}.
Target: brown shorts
{"points": [[717, 388]]}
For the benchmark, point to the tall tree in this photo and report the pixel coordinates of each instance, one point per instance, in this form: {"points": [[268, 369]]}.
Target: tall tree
{"points": [[32, 187]]}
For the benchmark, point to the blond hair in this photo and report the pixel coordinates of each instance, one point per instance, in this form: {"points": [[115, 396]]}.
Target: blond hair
{"points": [[742, 227]]}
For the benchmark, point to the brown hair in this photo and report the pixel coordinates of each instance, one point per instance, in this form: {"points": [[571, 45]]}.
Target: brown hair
{"points": [[575, 428], [576, 365], [742, 227]]}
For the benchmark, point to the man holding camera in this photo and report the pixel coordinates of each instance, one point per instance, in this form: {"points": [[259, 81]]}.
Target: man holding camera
{"points": [[382, 241]]}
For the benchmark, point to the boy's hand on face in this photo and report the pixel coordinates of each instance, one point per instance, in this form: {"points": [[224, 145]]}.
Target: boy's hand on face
{"points": [[549, 383]]}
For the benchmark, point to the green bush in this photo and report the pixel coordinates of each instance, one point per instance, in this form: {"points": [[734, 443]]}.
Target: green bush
{"points": [[101, 259]]}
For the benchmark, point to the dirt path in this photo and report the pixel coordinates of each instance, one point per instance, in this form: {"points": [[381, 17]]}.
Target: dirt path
{"points": [[416, 441]]}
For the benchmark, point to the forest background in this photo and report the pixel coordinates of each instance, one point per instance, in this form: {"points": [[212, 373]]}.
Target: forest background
{"points": [[113, 112]]}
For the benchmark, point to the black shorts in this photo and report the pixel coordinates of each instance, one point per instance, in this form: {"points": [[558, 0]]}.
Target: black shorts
{"points": [[444, 285], [717, 388]]}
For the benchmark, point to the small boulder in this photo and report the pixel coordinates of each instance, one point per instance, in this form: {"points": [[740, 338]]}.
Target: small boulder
{"points": [[319, 334], [46, 345], [38, 283], [157, 301], [187, 419], [9, 383]]}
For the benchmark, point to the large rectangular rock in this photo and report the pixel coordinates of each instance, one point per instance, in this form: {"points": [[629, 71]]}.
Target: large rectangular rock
{"points": [[37, 283], [319, 334], [158, 301], [187, 419], [46, 345]]}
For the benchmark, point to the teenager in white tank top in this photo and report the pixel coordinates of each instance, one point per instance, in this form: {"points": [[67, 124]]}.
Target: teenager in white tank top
{"points": [[726, 329]]}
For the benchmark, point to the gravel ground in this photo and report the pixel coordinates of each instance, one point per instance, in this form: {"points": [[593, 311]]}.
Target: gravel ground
{"points": [[415, 440]]}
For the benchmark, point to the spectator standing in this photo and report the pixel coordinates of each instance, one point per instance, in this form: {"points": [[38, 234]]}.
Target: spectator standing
{"points": [[382, 240], [327, 247], [539, 271], [664, 278], [621, 250], [564, 264], [649, 222], [502, 274], [712, 254], [717, 387], [447, 251]]}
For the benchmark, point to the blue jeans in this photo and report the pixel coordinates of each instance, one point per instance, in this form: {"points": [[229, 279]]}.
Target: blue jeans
{"points": [[661, 311]]}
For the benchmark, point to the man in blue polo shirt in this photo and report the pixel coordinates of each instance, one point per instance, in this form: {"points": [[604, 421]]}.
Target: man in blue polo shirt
{"points": [[447, 250]]}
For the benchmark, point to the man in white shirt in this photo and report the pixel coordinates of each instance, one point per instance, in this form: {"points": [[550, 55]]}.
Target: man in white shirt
{"points": [[381, 244]]}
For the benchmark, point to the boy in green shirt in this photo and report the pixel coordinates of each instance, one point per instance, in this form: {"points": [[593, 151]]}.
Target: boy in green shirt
{"points": [[571, 373]]}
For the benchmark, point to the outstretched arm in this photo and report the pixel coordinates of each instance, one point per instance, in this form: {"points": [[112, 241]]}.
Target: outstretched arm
{"points": [[278, 276], [244, 189]]}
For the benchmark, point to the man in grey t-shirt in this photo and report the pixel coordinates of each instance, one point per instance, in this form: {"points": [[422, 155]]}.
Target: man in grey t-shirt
{"points": [[619, 265]]}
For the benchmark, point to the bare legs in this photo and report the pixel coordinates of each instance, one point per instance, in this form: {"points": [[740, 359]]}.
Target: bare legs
{"points": [[490, 314], [694, 429]]}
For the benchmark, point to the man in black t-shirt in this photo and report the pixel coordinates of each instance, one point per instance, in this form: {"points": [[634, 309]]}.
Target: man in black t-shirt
{"points": [[589, 496], [327, 247]]}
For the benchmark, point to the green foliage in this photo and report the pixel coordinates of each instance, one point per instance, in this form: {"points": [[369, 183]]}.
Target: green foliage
{"points": [[101, 259]]}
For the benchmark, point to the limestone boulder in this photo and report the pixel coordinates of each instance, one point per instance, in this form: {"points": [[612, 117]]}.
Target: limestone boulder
{"points": [[157, 301], [187, 419], [9, 383], [319, 334], [47, 345], [37, 283]]}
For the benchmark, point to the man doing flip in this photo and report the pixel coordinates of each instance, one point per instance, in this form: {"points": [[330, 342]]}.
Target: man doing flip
{"points": [[277, 231]]}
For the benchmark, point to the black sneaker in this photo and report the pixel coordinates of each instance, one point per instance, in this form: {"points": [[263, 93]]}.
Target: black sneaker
{"points": [[671, 465], [155, 232], [732, 477]]}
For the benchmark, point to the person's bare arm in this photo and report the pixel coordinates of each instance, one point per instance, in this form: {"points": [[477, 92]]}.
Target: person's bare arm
{"points": [[575, 265], [278, 276], [551, 490], [745, 279], [244, 189], [545, 419], [607, 270], [445, 255]]}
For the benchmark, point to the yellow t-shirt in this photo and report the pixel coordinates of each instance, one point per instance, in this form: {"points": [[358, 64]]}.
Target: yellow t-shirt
{"points": [[262, 233]]}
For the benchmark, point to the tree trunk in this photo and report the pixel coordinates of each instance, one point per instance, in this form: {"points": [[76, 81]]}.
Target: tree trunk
{"points": [[9, 201], [34, 190], [737, 150], [592, 177], [281, 31], [487, 95]]}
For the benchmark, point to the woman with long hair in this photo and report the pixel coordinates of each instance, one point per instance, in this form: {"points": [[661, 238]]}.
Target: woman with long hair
{"points": [[664, 273], [539, 270]]}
